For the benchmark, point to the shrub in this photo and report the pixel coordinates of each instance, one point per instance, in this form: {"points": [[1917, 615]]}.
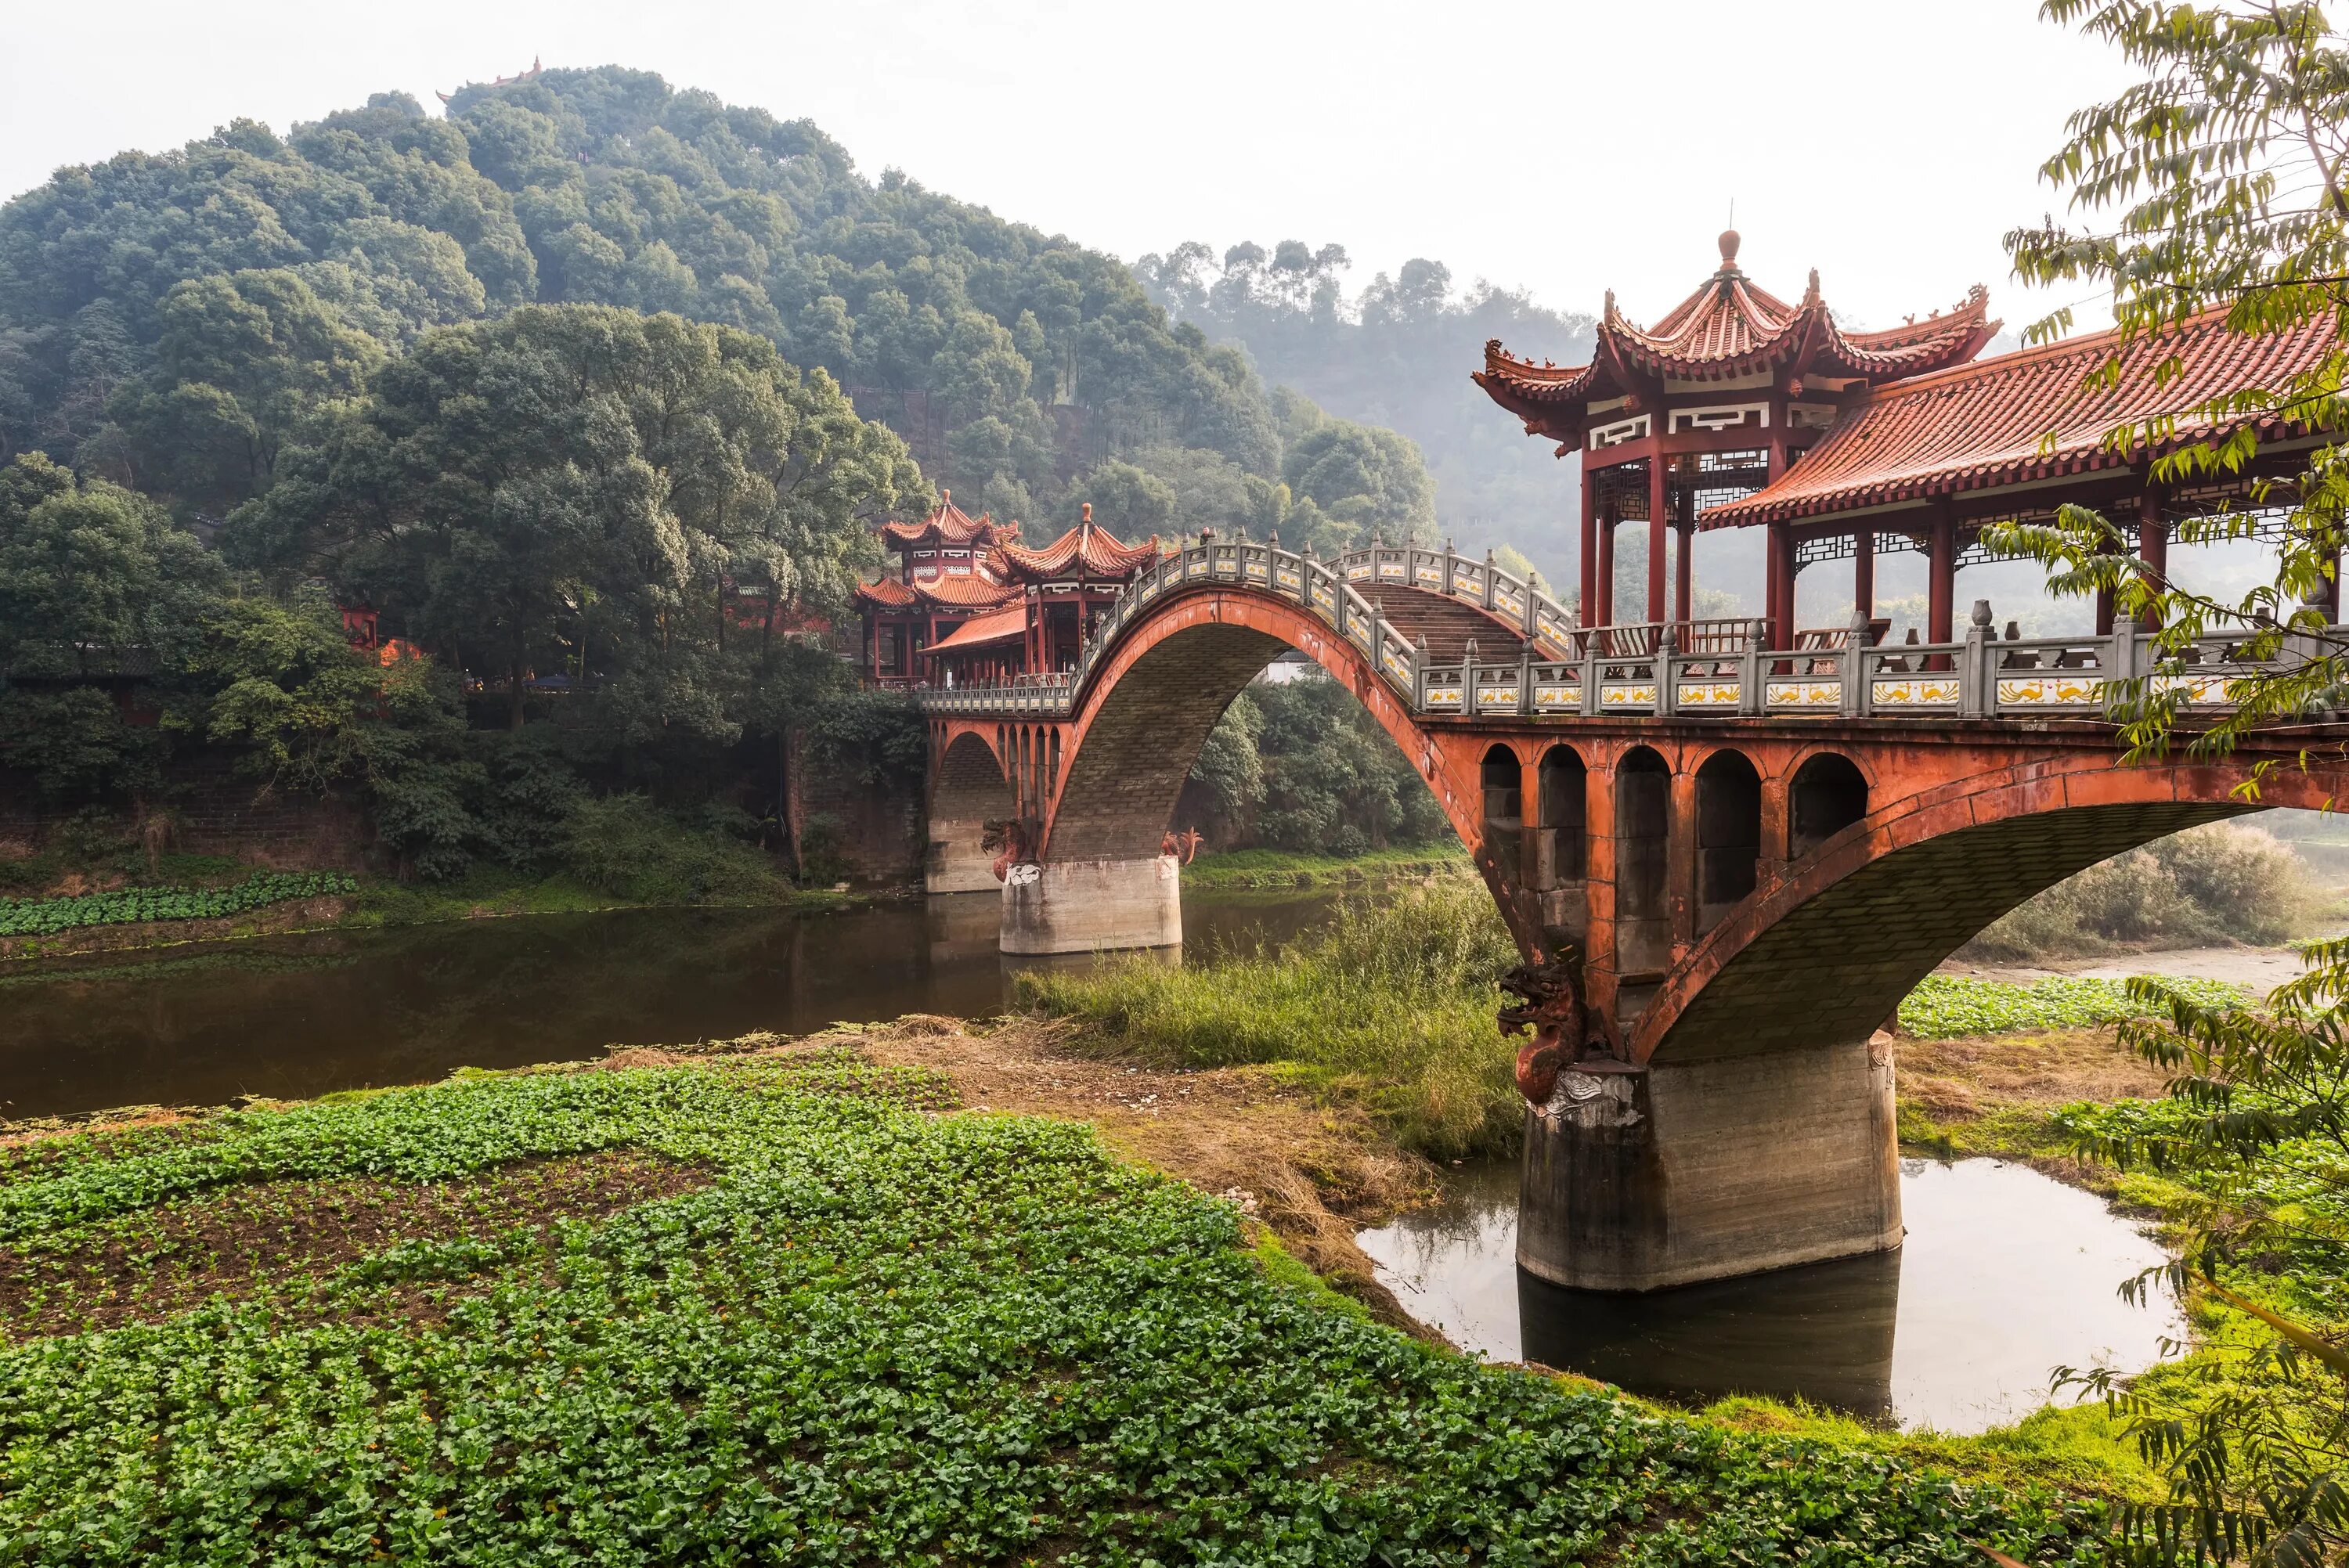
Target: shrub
{"points": [[2222, 882], [625, 846]]}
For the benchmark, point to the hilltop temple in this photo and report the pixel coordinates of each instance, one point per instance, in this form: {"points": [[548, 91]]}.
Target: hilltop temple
{"points": [[969, 603]]}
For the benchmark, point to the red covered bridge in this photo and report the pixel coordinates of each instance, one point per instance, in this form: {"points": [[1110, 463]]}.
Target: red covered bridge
{"points": [[1748, 839]]}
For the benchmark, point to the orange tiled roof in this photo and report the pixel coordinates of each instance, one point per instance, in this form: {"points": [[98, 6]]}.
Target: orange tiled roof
{"points": [[1989, 423], [998, 627], [949, 524], [886, 592], [1731, 327], [972, 593], [1085, 550]]}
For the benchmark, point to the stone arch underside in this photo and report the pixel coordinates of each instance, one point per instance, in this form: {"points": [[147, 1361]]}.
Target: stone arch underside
{"points": [[1832, 968], [970, 789], [1153, 706]]}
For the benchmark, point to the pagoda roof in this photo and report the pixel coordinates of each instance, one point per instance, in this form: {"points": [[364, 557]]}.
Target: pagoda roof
{"points": [[948, 525], [954, 593], [1085, 550], [999, 627], [1731, 327], [2033, 414]]}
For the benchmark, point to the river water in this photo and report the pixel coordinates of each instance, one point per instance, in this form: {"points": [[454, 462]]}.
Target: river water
{"points": [[294, 1016], [2005, 1274]]}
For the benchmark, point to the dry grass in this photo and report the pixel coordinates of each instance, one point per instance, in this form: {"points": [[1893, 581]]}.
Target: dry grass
{"points": [[1963, 1079]]}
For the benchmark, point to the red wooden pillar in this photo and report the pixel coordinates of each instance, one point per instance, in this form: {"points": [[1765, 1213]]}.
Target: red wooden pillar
{"points": [[1779, 593], [1681, 589], [1941, 596], [1589, 549], [2153, 544], [1606, 568], [1863, 573], [1658, 542]]}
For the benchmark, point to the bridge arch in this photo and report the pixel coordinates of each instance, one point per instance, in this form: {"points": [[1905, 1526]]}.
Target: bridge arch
{"points": [[1148, 710], [1728, 833], [1869, 910], [969, 787], [1828, 793]]}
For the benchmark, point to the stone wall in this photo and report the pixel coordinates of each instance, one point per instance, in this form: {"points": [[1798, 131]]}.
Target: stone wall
{"points": [[218, 812], [875, 831]]}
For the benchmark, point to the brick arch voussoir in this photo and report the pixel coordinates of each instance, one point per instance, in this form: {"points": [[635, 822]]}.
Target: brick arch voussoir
{"points": [[1826, 954], [1145, 712]]}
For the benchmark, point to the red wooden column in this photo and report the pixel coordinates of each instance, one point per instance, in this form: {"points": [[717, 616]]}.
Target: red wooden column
{"points": [[1589, 549], [1606, 568], [1863, 572], [1779, 595], [2153, 543], [1658, 544], [1941, 598], [1681, 589]]}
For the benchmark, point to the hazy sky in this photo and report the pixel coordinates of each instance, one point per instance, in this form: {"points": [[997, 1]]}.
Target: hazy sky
{"points": [[1564, 148]]}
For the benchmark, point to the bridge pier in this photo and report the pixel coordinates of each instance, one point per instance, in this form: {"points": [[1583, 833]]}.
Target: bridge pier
{"points": [[956, 862], [1639, 1179], [1080, 906]]}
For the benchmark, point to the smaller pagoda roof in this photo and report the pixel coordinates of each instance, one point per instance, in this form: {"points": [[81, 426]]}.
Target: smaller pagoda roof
{"points": [[1085, 550], [948, 525], [1001, 626], [1730, 328], [2031, 416], [887, 594]]}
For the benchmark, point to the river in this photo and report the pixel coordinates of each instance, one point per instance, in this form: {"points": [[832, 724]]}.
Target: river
{"points": [[299, 1015]]}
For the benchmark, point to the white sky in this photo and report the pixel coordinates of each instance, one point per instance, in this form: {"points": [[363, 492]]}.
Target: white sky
{"points": [[1562, 146]]}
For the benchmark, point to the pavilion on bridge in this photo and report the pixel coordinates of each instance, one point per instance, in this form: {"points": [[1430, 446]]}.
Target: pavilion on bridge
{"points": [[1739, 410], [969, 605]]}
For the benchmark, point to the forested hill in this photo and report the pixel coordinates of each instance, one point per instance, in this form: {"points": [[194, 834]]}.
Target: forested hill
{"points": [[1398, 353], [172, 321]]}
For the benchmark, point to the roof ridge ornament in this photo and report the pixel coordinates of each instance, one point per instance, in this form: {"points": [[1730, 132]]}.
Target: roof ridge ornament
{"points": [[1729, 241]]}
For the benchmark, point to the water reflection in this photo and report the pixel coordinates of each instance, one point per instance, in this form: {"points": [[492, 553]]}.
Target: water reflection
{"points": [[301, 1015], [2005, 1274]]}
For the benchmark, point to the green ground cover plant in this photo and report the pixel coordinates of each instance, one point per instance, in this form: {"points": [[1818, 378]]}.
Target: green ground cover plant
{"points": [[48, 916], [1392, 1005], [851, 1329], [1944, 1007]]}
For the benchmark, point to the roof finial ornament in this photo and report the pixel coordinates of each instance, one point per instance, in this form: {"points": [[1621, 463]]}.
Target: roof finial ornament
{"points": [[1729, 241]]}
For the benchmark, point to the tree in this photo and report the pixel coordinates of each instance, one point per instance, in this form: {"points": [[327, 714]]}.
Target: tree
{"points": [[95, 587], [2218, 183], [583, 477]]}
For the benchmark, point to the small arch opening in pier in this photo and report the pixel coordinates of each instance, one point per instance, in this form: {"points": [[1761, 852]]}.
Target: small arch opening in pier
{"points": [[1829, 794], [1728, 834], [1643, 809], [1561, 843], [1503, 781]]}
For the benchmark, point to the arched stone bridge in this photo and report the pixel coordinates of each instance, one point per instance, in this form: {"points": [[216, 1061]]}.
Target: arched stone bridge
{"points": [[1752, 854]]}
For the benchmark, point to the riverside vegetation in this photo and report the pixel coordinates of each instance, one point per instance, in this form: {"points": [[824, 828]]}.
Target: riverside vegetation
{"points": [[788, 1306]]}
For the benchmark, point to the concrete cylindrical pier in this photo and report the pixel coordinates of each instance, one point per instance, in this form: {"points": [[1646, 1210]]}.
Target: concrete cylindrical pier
{"points": [[1078, 906], [1642, 1178]]}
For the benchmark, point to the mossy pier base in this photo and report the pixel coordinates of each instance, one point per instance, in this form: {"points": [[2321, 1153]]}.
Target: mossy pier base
{"points": [[1088, 905], [1643, 1178]]}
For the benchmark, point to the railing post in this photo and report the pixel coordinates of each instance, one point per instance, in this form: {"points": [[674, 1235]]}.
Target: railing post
{"points": [[1445, 567], [1594, 670], [1667, 692], [1854, 666], [1525, 673], [1749, 676], [1978, 668]]}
